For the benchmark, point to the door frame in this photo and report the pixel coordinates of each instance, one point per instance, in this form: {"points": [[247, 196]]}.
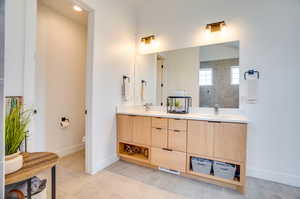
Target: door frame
{"points": [[2, 49], [30, 64]]}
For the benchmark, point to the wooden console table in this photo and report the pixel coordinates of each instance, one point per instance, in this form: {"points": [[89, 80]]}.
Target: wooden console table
{"points": [[34, 163]]}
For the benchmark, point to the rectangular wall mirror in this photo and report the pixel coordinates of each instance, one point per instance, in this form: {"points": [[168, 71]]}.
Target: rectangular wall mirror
{"points": [[209, 74]]}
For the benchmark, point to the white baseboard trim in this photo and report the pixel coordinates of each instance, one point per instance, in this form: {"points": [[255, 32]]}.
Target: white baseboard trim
{"points": [[104, 163], [282, 178], [69, 150]]}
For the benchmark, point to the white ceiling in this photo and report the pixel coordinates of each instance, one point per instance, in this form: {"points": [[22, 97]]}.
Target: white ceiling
{"points": [[65, 7]]}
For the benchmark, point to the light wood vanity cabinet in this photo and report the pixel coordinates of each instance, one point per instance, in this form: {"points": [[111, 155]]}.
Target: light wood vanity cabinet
{"points": [[177, 124], [159, 138], [169, 159], [230, 141], [124, 127], [134, 129], [177, 140], [158, 122], [141, 130], [226, 141], [159, 132], [169, 143], [177, 135], [200, 138], [169, 134], [173, 142]]}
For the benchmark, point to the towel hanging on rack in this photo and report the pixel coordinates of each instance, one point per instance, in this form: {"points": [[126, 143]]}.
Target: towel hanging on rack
{"points": [[252, 76], [252, 91], [143, 85], [125, 88]]}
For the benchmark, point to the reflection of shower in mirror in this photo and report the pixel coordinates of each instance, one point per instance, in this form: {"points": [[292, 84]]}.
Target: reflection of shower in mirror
{"points": [[209, 74]]}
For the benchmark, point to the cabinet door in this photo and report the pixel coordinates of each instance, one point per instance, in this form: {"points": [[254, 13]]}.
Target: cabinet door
{"points": [[177, 140], [159, 138], [200, 138], [142, 130], [230, 141], [124, 125]]}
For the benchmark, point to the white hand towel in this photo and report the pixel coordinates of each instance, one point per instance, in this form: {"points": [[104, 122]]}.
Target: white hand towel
{"points": [[142, 93], [252, 84], [125, 90]]}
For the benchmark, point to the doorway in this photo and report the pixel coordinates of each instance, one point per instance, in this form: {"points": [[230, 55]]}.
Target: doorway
{"points": [[62, 77]]}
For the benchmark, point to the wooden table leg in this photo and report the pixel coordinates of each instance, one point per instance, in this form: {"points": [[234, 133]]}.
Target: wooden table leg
{"points": [[29, 188], [53, 181]]}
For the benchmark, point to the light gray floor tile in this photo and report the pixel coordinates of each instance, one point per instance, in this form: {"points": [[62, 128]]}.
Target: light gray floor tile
{"points": [[128, 181], [255, 189]]}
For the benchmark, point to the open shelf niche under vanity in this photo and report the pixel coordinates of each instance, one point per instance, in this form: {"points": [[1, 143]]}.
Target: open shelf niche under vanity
{"points": [[236, 180], [134, 152], [172, 143]]}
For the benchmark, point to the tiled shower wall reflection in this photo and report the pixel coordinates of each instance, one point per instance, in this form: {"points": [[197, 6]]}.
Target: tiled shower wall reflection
{"points": [[221, 92]]}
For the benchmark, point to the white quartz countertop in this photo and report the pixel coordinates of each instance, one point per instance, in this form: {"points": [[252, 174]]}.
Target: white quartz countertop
{"points": [[232, 118]]}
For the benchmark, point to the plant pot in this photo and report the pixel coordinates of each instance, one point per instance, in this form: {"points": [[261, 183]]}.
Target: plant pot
{"points": [[13, 163]]}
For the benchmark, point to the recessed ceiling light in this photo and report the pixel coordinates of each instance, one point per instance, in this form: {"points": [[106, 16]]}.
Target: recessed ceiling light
{"points": [[77, 8]]}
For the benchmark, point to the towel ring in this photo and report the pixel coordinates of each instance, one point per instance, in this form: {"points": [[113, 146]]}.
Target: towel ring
{"points": [[251, 72], [126, 77], [144, 82]]}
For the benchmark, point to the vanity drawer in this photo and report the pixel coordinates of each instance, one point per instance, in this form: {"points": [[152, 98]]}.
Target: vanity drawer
{"points": [[158, 122], [178, 124], [168, 159], [159, 138], [177, 140]]}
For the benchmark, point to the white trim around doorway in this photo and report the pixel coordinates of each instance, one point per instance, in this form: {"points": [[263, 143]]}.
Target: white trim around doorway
{"points": [[35, 141]]}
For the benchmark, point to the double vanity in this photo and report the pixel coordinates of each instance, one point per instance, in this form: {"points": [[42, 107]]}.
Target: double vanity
{"points": [[207, 143], [158, 139]]}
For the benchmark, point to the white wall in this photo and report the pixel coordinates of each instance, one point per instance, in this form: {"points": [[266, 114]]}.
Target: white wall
{"points": [[60, 80], [14, 47], [270, 43], [181, 73], [114, 49]]}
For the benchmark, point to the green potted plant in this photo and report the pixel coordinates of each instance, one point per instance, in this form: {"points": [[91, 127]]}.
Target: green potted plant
{"points": [[16, 127]]}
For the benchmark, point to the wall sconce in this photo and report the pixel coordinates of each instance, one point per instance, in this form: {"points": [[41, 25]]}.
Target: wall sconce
{"points": [[77, 8], [148, 40], [148, 43], [216, 30], [216, 27]]}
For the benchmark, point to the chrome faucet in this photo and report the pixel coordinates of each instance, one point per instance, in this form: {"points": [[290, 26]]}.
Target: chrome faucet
{"points": [[147, 106], [216, 108]]}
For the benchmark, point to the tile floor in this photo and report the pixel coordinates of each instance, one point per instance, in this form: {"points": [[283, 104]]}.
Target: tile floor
{"points": [[127, 181]]}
